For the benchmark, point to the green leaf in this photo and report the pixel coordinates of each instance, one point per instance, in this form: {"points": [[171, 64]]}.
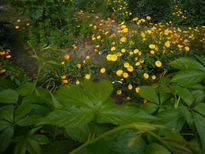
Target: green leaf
{"points": [[116, 114], [58, 147], [5, 138], [4, 124], [163, 97], [200, 108], [201, 59], [188, 77], [73, 95], [79, 134], [149, 107], [185, 94], [55, 102], [69, 117], [171, 118], [8, 96], [187, 115], [149, 93], [98, 92], [41, 139], [6, 113], [156, 148], [199, 96], [22, 110], [187, 63], [26, 89]]}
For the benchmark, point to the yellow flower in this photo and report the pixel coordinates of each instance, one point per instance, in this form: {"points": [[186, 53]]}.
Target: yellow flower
{"points": [[125, 75], [63, 77], [67, 57], [18, 20], [125, 30], [145, 101], [136, 51], [137, 89], [65, 81], [62, 63], [114, 57], [17, 27], [152, 46], [126, 64], [128, 98], [143, 34], [130, 87], [109, 57], [130, 68], [87, 76], [135, 19], [87, 57], [119, 92], [123, 39], [102, 70], [186, 48], [158, 63], [79, 65], [119, 72], [148, 18], [8, 56], [167, 44], [28, 24], [152, 52], [137, 63], [113, 48], [154, 77], [98, 37], [77, 82], [146, 76], [123, 50]]}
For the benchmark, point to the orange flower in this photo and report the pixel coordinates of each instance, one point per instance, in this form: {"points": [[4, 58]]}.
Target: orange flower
{"points": [[67, 56]]}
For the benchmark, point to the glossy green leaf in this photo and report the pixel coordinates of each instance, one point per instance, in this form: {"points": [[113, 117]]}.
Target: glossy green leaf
{"points": [[201, 59], [200, 108], [5, 138], [187, 115], [187, 63], [156, 148], [149, 107], [149, 93], [8, 96], [69, 117], [26, 89], [4, 124]]}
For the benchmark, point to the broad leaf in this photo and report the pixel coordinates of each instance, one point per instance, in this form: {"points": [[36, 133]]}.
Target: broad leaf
{"points": [[6, 113], [99, 91], [189, 77], [187, 115], [149, 107], [156, 148], [149, 93], [8, 96], [69, 117], [79, 134], [26, 89], [200, 108], [4, 124], [5, 138], [185, 94], [200, 126], [22, 110], [201, 59], [112, 113]]}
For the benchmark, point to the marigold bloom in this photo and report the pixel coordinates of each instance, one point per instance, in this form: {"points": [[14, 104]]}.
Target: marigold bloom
{"points": [[137, 89], [123, 50], [125, 75], [152, 46], [102, 70], [126, 64], [77, 82], [119, 92], [67, 56], [154, 77], [130, 69], [146, 76], [119, 72], [63, 77], [65, 81], [167, 44], [123, 39], [17, 27], [158, 63], [130, 87], [87, 76], [186, 48]]}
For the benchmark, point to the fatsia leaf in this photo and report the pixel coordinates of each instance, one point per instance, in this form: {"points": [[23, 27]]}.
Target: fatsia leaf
{"points": [[188, 77], [8, 96], [149, 93], [69, 117], [124, 114], [99, 91], [156, 148], [200, 126], [5, 138], [185, 94], [79, 134], [187, 63]]}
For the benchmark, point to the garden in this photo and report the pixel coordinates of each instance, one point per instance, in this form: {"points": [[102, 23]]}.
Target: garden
{"points": [[102, 77]]}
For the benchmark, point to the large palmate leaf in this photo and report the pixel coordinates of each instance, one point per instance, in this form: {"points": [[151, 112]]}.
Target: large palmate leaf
{"points": [[149, 93], [22, 110], [156, 148], [69, 117], [185, 94], [8, 96], [6, 113], [187, 63], [112, 113]]}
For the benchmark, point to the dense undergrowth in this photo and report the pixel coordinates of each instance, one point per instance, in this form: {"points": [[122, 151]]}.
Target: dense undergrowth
{"points": [[138, 89]]}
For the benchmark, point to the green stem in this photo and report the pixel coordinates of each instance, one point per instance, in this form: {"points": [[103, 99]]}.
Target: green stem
{"points": [[38, 74]]}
